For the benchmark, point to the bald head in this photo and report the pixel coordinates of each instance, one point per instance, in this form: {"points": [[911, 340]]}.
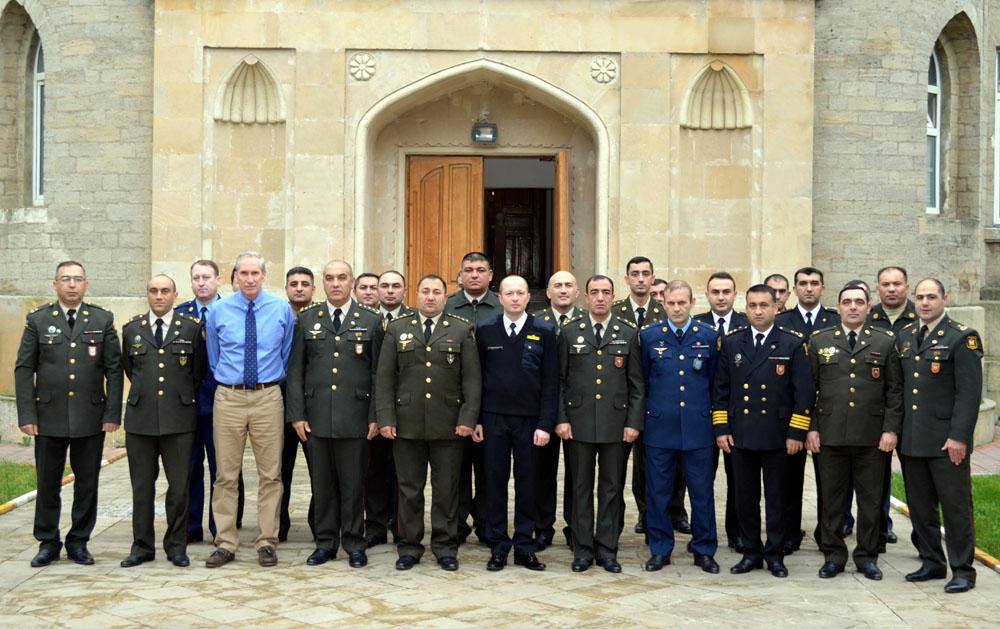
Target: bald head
{"points": [[562, 292], [514, 296]]}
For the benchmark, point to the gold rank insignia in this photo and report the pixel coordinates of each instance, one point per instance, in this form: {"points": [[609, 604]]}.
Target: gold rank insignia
{"points": [[827, 352], [972, 342], [183, 360]]}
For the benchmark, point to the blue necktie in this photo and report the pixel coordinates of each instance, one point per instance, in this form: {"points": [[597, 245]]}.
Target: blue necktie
{"points": [[250, 349]]}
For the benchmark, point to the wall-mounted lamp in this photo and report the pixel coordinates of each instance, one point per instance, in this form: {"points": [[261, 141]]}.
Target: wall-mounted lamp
{"points": [[484, 132]]}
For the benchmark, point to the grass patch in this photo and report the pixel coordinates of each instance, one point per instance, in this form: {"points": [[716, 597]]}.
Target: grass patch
{"points": [[985, 509], [17, 479]]}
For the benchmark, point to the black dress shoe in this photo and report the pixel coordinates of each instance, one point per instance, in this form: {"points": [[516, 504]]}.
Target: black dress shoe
{"points": [[320, 556], [44, 557], [847, 529], [497, 562], [81, 556], [682, 526], [959, 584], [830, 569], [528, 560], [405, 562], [640, 527], [357, 559], [870, 570], [656, 562], [448, 563], [134, 560], [746, 565], [706, 563], [180, 560], [610, 564], [926, 574], [375, 540], [891, 537], [543, 541], [777, 568], [581, 564]]}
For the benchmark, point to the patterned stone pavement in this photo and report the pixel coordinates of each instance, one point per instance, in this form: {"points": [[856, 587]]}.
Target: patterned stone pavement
{"points": [[242, 594]]}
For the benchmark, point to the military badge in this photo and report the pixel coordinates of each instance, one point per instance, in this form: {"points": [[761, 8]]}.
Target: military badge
{"points": [[619, 361], [183, 360], [92, 351], [827, 352], [316, 326], [696, 363], [450, 358], [972, 342], [876, 372], [403, 336], [579, 339], [738, 359], [935, 367], [534, 337], [359, 348], [779, 369], [53, 329]]}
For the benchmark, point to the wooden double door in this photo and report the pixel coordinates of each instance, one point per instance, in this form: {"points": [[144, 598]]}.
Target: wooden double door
{"points": [[449, 213]]}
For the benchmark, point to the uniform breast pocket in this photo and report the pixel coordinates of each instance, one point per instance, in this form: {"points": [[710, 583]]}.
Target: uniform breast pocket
{"points": [[579, 350], [138, 350], [314, 335], [405, 356], [451, 353], [874, 366], [182, 353], [661, 359], [531, 357], [93, 343]]}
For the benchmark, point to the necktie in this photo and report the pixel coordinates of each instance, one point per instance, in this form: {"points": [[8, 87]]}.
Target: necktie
{"points": [[642, 316], [159, 333], [722, 325], [597, 331], [336, 320], [250, 349], [680, 334], [427, 330], [513, 330], [852, 338], [921, 335], [760, 340], [388, 318], [71, 317], [562, 320], [203, 311], [809, 321]]}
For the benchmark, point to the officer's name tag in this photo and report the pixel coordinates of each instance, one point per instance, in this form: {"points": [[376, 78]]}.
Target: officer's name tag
{"points": [[491, 348], [699, 346]]}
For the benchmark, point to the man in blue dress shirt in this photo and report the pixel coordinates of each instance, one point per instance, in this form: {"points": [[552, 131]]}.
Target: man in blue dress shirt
{"points": [[249, 338], [678, 363]]}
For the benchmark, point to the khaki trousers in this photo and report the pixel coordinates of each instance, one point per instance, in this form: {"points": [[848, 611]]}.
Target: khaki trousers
{"points": [[259, 414]]}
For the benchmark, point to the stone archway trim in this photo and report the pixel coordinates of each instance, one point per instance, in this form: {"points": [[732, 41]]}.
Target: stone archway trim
{"points": [[369, 126]]}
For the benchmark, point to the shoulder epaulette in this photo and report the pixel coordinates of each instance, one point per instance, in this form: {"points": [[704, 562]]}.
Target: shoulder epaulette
{"points": [[872, 328], [794, 332], [708, 324], [44, 307], [830, 310], [140, 316], [314, 304], [909, 325], [574, 319], [619, 301], [90, 305], [453, 316], [630, 324], [829, 327], [958, 326], [188, 317], [735, 330], [369, 309]]}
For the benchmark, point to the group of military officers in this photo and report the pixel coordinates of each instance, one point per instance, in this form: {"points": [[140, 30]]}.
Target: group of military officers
{"points": [[473, 386]]}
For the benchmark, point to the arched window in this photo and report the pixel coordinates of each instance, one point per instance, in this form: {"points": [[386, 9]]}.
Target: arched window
{"points": [[38, 126], [933, 136]]}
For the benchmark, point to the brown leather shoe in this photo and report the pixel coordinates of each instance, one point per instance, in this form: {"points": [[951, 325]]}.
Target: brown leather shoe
{"points": [[266, 556], [219, 557]]}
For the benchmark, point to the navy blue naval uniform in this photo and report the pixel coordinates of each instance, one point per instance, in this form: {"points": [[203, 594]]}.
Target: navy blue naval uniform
{"points": [[762, 397], [678, 373], [520, 395]]}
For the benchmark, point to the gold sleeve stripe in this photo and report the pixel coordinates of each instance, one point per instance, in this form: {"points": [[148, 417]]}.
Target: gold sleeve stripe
{"points": [[800, 421], [720, 417]]}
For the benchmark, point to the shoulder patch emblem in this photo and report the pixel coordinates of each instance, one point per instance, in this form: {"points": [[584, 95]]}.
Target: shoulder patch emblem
{"points": [[972, 341]]}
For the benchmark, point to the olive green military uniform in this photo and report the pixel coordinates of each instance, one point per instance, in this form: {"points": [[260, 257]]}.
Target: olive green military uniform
{"points": [[942, 388], [331, 381], [860, 397], [160, 420], [877, 318], [654, 312], [425, 390], [601, 393], [68, 382]]}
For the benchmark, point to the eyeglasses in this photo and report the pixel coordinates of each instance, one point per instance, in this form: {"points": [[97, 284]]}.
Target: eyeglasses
{"points": [[66, 279]]}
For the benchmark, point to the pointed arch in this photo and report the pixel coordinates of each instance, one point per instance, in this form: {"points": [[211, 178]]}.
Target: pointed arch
{"points": [[717, 99], [249, 94], [425, 89]]}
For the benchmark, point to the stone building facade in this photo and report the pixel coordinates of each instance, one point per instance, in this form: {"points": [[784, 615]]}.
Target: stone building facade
{"points": [[755, 136]]}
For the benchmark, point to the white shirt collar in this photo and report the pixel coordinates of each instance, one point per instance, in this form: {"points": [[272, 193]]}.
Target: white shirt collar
{"points": [[754, 332], [604, 324], [66, 309], [728, 318], [479, 299], [434, 321], [343, 309], [814, 311], [167, 317], [933, 324], [569, 315], [636, 306], [394, 313], [518, 324]]}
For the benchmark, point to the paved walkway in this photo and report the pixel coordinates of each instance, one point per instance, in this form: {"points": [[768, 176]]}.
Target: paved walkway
{"points": [[242, 594]]}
